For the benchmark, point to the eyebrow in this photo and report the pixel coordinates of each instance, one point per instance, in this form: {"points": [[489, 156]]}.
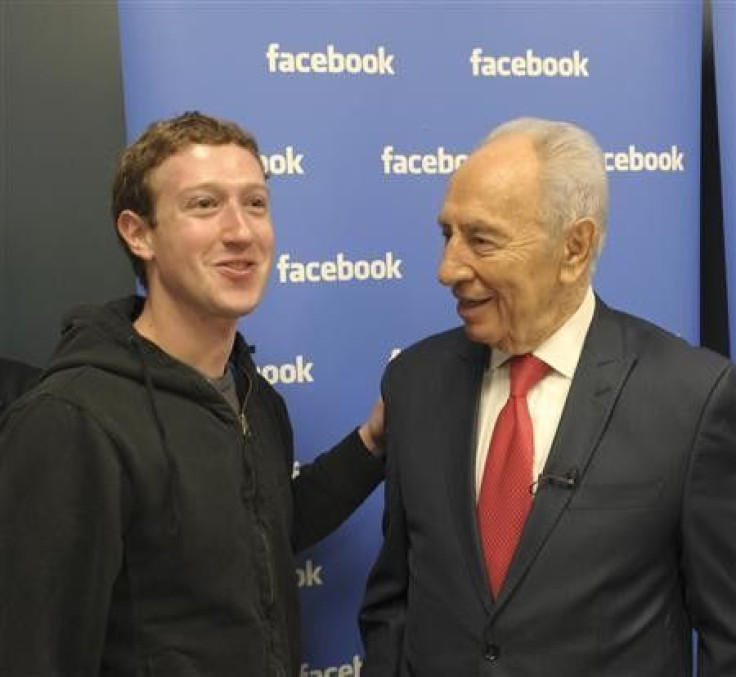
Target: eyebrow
{"points": [[472, 225], [485, 226], [214, 185]]}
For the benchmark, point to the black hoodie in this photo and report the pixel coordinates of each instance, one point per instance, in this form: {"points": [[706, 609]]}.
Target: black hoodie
{"points": [[15, 379], [145, 528]]}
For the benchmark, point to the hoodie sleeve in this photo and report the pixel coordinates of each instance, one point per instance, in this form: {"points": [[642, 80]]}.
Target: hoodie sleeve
{"points": [[61, 496], [328, 490]]}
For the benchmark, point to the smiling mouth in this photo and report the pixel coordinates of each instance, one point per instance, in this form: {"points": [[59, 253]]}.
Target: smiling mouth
{"points": [[235, 268], [469, 304]]}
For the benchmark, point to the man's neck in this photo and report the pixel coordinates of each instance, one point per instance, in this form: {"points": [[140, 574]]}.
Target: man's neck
{"points": [[202, 343]]}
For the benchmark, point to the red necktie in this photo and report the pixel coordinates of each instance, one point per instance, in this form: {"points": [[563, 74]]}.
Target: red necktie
{"points": [[505, 496]]}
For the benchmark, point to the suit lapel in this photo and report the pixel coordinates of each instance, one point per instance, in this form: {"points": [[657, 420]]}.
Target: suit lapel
{"points": [[461, 380], [601, 373]]}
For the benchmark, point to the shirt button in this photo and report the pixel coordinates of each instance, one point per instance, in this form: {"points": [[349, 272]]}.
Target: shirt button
{"points": [[491, 653]]}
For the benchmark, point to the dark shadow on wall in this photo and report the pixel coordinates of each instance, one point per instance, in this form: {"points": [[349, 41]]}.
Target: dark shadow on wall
{"points": [[713, 288], [61, 129]]}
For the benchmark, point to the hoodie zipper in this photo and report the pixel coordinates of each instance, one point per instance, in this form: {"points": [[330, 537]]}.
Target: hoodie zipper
{"points": [[246, 430], [244, 425]]}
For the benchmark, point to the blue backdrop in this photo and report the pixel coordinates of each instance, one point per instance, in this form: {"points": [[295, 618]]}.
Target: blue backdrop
{"points": [[362, 109]]}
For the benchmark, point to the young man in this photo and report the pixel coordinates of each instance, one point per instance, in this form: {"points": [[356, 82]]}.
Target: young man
{"points": [[147, 511]]}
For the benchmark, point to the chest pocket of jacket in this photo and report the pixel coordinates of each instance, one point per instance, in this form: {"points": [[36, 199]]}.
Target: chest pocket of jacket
{"points": [[630, 496], [265, 470], [266, 453], [171, 664]]}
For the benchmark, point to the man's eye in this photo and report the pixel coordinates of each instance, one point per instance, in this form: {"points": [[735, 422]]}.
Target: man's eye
{"points": [[481, 241], [257, 202], [202, 202]]}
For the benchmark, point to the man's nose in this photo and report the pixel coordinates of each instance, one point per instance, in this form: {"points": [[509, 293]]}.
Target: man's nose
{"points": [[454, 266], [237, 225]]}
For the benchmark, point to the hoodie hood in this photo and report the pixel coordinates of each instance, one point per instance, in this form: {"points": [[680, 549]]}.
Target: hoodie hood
{"points": [[103, 337], [99, 336]]}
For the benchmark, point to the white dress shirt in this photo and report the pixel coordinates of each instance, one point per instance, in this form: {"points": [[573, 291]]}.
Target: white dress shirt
{"points": [[546, 399]]}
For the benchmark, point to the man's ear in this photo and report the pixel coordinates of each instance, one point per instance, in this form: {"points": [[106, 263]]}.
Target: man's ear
{"points": [[580, 243], [136, 232]]}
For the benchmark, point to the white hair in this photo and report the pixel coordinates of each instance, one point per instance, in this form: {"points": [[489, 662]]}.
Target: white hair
{"points": [[573, 173]]}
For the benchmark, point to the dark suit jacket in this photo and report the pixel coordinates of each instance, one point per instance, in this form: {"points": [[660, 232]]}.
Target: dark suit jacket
{"points": [[614, 568], [15, 379]]}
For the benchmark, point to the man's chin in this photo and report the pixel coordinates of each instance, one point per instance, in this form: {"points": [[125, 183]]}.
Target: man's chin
{"points": [[477, 335], [493, 341], [240, 307]]}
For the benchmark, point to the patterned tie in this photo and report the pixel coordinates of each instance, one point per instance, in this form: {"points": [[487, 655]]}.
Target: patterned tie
{"points": [[505, 496]]}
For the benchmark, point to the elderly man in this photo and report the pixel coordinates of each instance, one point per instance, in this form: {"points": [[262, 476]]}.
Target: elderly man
{"points": [[561, 482], [148, 515]]}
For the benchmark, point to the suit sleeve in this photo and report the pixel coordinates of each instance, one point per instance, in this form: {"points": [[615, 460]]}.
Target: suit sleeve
{"points": [[709, 531], [60, 539], [383, 613]]}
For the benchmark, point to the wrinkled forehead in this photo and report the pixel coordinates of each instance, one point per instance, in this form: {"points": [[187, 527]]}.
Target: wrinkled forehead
{"points": [[503, 175]]}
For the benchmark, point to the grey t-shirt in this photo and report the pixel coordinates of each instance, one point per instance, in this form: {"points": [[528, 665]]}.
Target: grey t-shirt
{"points": [[225, 385]]}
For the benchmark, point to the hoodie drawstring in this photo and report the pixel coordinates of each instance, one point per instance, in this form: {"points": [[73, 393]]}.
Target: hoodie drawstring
{"points": [[173, 498]]}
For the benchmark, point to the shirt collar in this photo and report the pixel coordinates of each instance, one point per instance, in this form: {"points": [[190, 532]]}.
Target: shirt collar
{"points": [[561, 351]]}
